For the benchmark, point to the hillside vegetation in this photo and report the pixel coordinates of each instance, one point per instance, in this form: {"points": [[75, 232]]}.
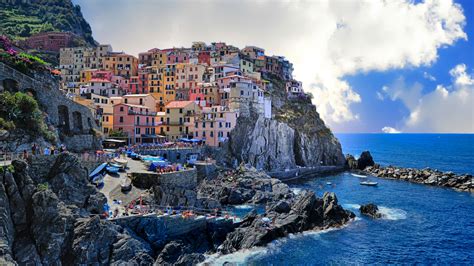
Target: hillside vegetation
{"points": [[21, 19]]}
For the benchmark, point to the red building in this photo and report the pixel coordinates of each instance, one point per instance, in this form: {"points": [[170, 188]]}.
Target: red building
{"points": [[204, 57], [49, 41]]}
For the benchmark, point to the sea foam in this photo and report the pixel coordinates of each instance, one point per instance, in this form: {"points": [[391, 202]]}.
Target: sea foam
{"points": [[392, 214]]}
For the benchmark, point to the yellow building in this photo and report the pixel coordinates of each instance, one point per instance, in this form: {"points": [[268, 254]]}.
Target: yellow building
{"points": [[121, 64], [179, 119], [169, 81]]}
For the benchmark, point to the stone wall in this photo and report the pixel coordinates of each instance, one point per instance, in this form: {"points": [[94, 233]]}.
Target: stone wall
{"points": [[173, 155], [73, 120], [158, 230]]}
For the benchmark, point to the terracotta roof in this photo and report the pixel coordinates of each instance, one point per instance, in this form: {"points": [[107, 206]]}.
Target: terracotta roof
{"points": [[178, 104]]}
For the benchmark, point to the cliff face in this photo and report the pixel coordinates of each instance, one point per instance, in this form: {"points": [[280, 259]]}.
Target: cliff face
{"points": [[296, 136]]}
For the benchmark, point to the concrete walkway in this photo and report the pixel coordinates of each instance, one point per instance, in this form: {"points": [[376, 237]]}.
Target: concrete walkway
{"points": [[112, 189]]}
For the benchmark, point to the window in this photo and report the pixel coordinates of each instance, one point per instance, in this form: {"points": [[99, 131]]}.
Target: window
{"points": [[180, 110], [167, 110], [137, 130], [196, 134], [204, 134], [203, 124], [220, 124], [212, 134], [167, 129], [121, 119], [212, 124], [180, 129]]}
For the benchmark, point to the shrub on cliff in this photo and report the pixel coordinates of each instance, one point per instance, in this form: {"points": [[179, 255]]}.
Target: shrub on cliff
{"points": [[21, 111]]}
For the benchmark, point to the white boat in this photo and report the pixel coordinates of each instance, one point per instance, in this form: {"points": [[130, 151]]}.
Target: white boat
{"points": [[126, 184], [120, 161], [328, 183], [369, 183], [361, 176]]}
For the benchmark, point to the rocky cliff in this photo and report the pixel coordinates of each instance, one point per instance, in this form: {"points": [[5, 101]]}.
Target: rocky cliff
{"points": [[296, 136]]}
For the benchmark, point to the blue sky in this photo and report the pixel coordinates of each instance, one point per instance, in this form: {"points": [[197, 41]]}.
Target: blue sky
{"points": [[372, 66], [377, 113]]}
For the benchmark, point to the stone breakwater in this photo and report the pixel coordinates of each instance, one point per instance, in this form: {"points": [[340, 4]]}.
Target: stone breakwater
{"points": [[427, 176]]}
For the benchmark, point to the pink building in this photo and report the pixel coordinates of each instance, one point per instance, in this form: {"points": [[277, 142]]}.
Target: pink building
{"points": [[121, 82], [138, 122], [213, 127]]}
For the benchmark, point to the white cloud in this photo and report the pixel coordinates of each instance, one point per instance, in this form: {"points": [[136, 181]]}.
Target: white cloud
{"points": [[461, 78], [380, 95], [445, 109], [326, 40], [428, 76], [390, 130]]}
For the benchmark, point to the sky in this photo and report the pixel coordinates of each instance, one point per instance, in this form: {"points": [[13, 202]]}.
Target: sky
{"points": [[372, 66]]}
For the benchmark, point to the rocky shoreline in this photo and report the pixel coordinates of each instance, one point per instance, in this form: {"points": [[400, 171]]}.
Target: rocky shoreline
{"points": [[50, 214], [427, 176], [366, 165]]}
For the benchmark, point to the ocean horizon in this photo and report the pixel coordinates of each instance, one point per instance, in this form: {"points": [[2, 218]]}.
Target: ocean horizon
{"points": [[445, 152]]}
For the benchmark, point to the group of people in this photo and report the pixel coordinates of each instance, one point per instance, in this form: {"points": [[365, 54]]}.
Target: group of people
{"points": [[38, 150]]}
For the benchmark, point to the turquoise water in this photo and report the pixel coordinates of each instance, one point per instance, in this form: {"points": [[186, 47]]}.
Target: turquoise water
{"points": [[422, 225]]}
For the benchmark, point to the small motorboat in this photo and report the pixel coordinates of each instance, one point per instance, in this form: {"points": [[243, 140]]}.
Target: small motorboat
{"points": [[112, 169], [98, 180], [328, 183], [126, 184], [120, 161], [97, 171], [116, 165], [369, 183]]}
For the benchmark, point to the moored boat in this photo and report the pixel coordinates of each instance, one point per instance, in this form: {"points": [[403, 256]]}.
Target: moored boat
{"points": [[112, 169], [369, 183], [120, 161]]}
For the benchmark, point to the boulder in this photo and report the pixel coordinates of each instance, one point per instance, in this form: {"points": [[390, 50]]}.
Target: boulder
{"points": [[370, 210], [365, 159]]}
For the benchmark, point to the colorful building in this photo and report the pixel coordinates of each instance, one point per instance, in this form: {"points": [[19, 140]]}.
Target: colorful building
{"points": [[121, 64], [49, 41], [137, 122], [214, 125], [179, 119]]}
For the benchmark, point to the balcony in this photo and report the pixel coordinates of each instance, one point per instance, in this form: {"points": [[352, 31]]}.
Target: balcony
{"points": [[132, 112]]}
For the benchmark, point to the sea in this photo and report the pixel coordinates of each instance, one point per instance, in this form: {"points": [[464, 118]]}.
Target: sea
{"points": [[421, 225]]}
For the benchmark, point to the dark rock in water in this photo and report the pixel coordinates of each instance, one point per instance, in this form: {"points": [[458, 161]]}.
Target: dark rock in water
{"points": [[307, 213], [365, 160], [370, 210], [351, 162]]}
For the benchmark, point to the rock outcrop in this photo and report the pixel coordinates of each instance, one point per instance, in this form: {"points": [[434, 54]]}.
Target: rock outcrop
{"points": [[295, 136], [49, 215], [244, 186], [427, 176], [365, 160], [307, 212], [370, 210]]}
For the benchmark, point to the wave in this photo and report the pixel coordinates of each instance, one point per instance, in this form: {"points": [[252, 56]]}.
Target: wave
{"points": [[362, 176], [242, 257], [351, 206], [244, 207], [296, 190], [392, 214]]}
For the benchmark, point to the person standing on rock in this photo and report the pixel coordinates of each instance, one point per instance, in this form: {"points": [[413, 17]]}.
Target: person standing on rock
{"points": [[33, 149]]}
